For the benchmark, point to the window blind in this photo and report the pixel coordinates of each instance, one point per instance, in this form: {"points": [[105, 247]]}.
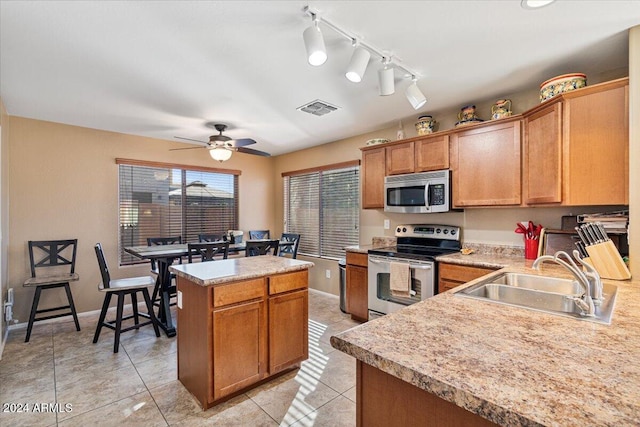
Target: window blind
{"points": [[172, 201], [323, 207]]}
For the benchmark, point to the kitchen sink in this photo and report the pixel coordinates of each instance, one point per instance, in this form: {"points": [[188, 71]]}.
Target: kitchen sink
{"points": [[542, 293]]}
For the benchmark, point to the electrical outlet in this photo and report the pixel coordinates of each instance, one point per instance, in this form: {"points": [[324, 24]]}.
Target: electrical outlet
{"points": [[328, 274], [386, 224]]}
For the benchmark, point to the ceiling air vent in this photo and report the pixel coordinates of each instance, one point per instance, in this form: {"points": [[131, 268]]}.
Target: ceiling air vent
{"points": [[318, 108]]}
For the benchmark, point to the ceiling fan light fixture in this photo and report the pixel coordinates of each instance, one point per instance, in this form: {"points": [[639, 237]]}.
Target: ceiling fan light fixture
{"points": [[415, 95], [386, 83], [358, 64], [220, 154], [314, 43], [535, 4]]}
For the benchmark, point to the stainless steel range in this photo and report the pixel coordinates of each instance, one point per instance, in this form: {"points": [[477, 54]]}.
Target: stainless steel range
{"points": [[417, 245]]}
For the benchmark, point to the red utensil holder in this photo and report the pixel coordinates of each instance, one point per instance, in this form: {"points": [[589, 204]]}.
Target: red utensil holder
{"points": [[531, 248]]}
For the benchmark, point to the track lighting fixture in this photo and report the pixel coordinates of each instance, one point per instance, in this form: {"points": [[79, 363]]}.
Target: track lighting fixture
{"points": [[317, 55], [415, 95], [385, 79], [314, 43], [358, 63]]}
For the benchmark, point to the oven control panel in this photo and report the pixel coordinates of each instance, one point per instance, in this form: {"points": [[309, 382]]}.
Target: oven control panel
{"points": [[434, 231]]}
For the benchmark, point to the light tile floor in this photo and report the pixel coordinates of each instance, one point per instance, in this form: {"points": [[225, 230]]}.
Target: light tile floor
{"points": [[139, 386]]}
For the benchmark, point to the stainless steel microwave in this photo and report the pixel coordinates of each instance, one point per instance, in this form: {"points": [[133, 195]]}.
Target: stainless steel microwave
{"points": [[426, 192]]}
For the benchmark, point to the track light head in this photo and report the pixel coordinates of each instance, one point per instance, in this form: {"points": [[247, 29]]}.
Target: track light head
{"points": [[314, 43], [415, 95], [386, 83], [358, 64]]}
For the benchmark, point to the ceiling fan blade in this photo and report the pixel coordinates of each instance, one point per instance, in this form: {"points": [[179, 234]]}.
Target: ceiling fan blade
{"points": [[189, 139], [241, 142], [187, 148], [252, 151]]}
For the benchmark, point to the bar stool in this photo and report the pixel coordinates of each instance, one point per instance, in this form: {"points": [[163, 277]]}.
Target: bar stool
{"points": [[122, 287], [55, 255]]}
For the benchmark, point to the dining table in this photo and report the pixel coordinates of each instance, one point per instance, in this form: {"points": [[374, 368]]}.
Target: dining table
{"points": [[164, 256]]}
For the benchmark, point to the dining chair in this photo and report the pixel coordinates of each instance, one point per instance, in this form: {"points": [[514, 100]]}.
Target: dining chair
{"points": [[289, 249], [264, 247], [208, 250], [210, 237], [259, 234], [122, 287], [53, 264]]}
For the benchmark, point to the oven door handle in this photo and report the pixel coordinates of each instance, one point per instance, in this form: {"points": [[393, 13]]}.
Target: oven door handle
{"points": [[420, 267]]}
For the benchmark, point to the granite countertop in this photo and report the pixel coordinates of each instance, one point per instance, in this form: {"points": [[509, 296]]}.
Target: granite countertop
{"points": [[511, 365], [234, 269]]}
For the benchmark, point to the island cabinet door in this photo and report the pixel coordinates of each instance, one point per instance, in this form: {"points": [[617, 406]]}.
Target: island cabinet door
{"points": [[239, 347], [288, 330]]}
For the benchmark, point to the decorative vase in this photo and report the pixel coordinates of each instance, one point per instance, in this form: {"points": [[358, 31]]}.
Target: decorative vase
{"points": [[501, 109], [424, 125], [467, 113]]}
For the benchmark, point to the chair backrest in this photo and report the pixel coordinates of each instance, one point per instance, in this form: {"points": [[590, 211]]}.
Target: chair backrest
{"points": [[259, 234], [158, 241], [266, 247], [52, 253], [289, 249], [208, 250], [210, 237], [102, 263]]}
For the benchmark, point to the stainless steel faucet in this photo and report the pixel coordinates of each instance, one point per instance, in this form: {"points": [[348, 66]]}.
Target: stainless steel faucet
{"points": [[585, 303]]}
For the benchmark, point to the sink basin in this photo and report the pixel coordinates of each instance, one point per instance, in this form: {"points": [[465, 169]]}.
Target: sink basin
{"points": [[542, 293]]}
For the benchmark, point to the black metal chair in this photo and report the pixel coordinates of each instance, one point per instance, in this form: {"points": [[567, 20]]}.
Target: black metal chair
{"points": [[207, 251], [289, 249], [211, 238], [157, 241], [122, 287], [259, 234], [265, 247], [58, 258]]}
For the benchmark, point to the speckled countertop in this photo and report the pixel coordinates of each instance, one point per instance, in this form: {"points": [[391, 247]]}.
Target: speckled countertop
{"points": [[513, 366], [234, 269]]}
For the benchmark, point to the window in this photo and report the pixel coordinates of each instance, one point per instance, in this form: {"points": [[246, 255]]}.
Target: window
{"points": [[323, 206], [158, 200]]}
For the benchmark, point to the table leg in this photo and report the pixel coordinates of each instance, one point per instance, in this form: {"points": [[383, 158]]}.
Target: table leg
{"points": [[164, 312]]}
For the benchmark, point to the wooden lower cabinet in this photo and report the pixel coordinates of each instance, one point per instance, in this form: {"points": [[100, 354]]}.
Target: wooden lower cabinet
{"points": [[384, 400], [234, 336], [288, 342], [357, 286], [452, 275], [239, 347]]}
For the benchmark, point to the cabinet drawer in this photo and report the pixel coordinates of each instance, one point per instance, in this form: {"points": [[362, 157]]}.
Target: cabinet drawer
{"points": [[288, 282], [234, 293], [462, 273], [356, 258]]}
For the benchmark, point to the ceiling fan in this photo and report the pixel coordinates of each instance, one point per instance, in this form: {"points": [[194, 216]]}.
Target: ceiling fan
{"points": [[221, 146]]}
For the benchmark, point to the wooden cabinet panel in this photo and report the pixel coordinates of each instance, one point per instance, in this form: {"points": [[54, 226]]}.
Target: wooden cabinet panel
{"points": [[432, 154], [356, 258], [454, 275], [288, 330], [486, 165], [238, 292], [288, 282], [357, 292], [400, 159], [239, 347], [373, 172], [542, 177]]}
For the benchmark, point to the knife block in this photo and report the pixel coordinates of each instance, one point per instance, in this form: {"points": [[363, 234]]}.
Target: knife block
{"points": [[606, 259]]}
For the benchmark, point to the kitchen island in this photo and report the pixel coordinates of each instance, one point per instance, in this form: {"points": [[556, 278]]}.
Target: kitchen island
{"points": [[452, 360], [240, 322]]}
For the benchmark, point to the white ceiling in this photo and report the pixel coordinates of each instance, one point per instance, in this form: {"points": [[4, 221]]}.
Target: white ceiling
{"points": [[167, 68]]}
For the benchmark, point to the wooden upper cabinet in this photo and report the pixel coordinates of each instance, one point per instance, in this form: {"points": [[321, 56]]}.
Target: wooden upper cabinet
{"points": [[485, 163], [432, 153], [576, 149], [542, 177], [400, 159], [373, 172]]}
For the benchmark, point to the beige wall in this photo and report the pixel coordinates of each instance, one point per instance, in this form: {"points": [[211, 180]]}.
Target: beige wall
{"points": [[65, 185], [4, 215]]}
